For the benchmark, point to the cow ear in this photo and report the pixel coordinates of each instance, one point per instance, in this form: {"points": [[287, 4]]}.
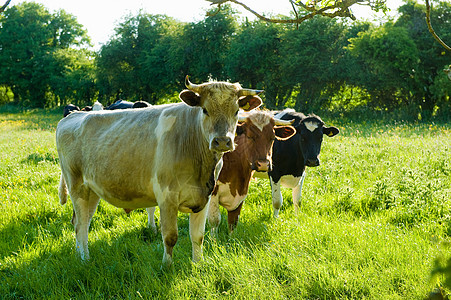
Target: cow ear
{"points": [[190, 98], [250, 102], [284, 132], [240, 128], [331, 131]]}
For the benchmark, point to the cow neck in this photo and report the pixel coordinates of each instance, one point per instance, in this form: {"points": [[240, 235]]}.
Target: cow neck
{"points": [[299, 160], [204, 160]]}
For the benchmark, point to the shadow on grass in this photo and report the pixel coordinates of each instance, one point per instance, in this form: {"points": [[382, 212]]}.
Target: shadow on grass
{"points": [[40, 261]]}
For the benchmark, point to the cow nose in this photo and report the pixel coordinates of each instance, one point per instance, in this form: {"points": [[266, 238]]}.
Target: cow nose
{"points": [[312, 162], [221, 144], [262, 165]]}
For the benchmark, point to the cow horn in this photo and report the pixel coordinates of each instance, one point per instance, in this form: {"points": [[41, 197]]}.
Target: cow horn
{"points": [[248, 92], [191, 86], [280, 122]]}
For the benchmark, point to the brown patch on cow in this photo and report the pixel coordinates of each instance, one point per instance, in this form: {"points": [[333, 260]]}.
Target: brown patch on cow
{"points": [[215, 191]]}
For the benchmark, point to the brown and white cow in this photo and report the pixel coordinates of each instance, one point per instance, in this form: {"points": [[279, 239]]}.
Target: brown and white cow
{"points": [[165, 155], [254, 140]]}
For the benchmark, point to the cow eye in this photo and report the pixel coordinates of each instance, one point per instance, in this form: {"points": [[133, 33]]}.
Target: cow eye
{"points": [[204, 110]]}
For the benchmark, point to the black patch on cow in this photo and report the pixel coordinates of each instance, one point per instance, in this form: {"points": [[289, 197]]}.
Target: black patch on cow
{"points": [[120, 104], [69, 108], [331, 131], [141, 104], [196, 209]]}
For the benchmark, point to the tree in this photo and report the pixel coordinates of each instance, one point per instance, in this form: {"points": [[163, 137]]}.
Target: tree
{"points": [[388, 58], [206, 44], [311, 61], [28, 37], [254, 60], [132, 65], [72, 77], [432, 57]]}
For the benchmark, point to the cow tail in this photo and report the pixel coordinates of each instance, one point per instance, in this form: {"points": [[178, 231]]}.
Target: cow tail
{"points": [[62, 191]]}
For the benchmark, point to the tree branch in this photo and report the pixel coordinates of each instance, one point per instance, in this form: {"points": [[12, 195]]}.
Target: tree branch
{"points": [[338, 8], [431, 30], [2, 9]]}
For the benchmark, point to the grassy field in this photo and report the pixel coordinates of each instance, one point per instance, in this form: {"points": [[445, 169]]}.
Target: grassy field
{"points": [[374, 218]]}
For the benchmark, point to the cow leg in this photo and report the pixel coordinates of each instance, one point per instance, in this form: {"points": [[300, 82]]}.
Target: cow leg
{"points": [[84, 208], [233, 216], [214, 215], [168, 227], [296, 193], [196, 232], [277, 199], [151, 219]]}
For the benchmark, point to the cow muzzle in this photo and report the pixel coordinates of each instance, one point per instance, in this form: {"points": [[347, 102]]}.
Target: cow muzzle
{"points": [[261, 165], [312, 162], [221, 144]]}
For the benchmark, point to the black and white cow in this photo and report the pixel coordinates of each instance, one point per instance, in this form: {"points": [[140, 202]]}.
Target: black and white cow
{"points": [[290, 157]]}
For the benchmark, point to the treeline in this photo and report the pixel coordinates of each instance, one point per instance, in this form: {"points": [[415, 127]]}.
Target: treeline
{"points": [[325, 64]]}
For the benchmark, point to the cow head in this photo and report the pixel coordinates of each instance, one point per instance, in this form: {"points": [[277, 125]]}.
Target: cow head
{"points": [[311, 130], [255, 137], [219, 103]]}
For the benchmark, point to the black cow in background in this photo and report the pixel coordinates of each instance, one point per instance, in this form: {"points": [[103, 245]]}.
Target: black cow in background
{"points": [[291, 157], [141, 104], [119, 104], [69, 108], [124, 104]]}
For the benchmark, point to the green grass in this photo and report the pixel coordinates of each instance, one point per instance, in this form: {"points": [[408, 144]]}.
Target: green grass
{"points": [[374, 218]]}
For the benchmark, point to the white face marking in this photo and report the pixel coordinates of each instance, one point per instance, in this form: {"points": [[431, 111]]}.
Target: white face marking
{"points": [[311, 125], [165, 124], [259, 119], [260, 126]]}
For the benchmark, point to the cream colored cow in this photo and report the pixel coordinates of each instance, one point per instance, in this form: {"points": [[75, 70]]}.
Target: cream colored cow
{"points": [[162, 156]]}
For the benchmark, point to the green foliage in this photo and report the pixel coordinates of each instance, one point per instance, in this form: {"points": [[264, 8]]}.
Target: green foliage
{"points": [[388, 57], [431, 55], [29, 37], [73, 76], [132, 65], [312, 58], [254, 60], [150, 55], [372, 218], [322, 65], [206, 44]]}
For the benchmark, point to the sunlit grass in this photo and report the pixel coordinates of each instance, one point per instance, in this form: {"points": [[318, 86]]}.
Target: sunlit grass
{"points": [[372, 221]]}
